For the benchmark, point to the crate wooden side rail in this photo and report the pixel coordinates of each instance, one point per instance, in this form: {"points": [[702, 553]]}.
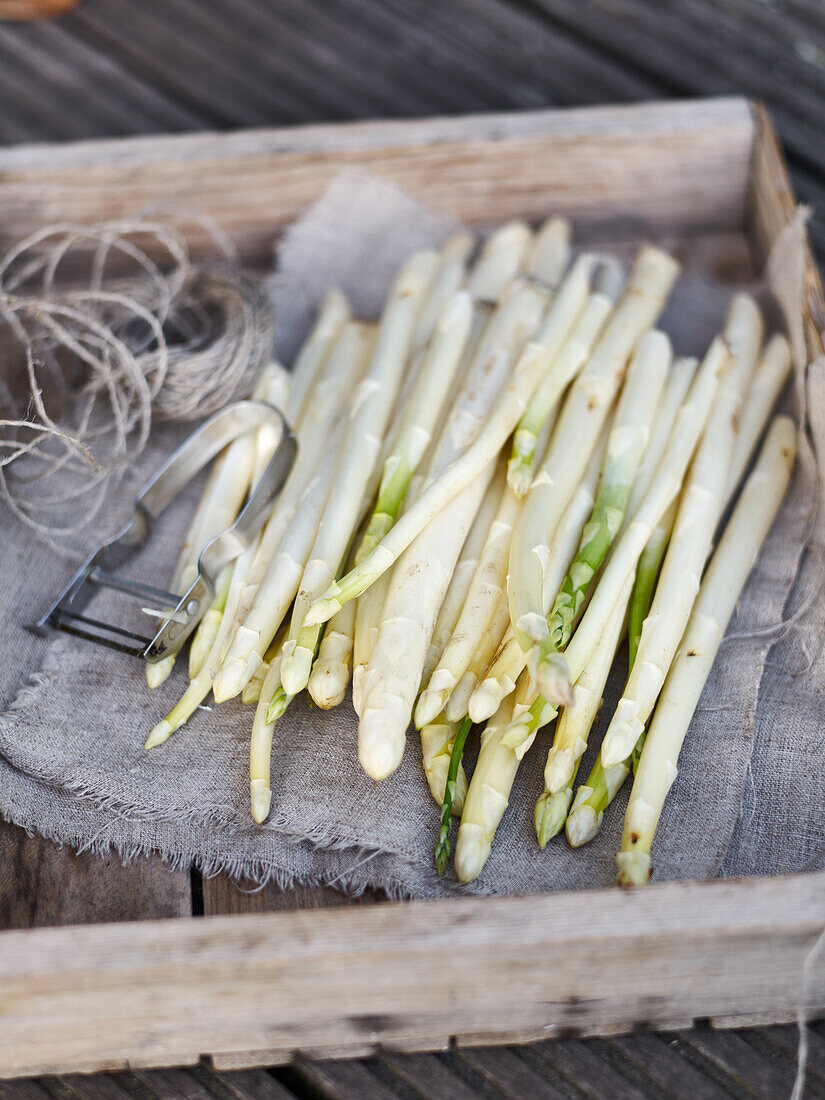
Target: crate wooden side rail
{"points": [[256, 988]]}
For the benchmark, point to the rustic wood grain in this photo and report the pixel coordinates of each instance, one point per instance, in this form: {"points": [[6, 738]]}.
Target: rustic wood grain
{"points": [[326, 980]]}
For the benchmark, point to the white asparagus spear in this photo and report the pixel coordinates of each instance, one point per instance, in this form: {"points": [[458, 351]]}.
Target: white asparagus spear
{"points": [[500, 679], [271, 577], [576, 432], [233, 474], [260, 747], [483, 597], [629, 434], [768, 381], [575, 722], [461, 579], [532, 364], [362, 445], [527, 441], [252, 692], [501, 258], [199, 688], [487, 796], [687, 430], [690, 544], [309, 364], [330, 674], [280, 585], [457, 705], [730, 565], [423, 572], [436, 746], [204, 637], [448, 279]]}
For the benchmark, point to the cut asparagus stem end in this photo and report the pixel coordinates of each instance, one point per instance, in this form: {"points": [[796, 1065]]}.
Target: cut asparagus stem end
{"points": [[553, 679], [633, 868], [162, 732], [323, 610], [471, 851], [159, 672], [551, 814], [260, 799], [582, 825]]}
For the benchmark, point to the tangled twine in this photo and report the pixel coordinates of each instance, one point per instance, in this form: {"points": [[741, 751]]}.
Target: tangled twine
{"points": [[97, 338]]}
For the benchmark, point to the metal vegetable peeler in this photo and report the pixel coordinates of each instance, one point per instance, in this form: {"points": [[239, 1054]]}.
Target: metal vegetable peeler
{"points": [[181, 613]]}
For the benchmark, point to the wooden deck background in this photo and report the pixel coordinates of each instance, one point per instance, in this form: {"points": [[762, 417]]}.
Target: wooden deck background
{"points": [[117, 67]]}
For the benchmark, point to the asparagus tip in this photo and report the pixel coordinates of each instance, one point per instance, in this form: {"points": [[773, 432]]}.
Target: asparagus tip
{"points": [[471, 851], [553, 680], [252, 692], [633, 868], [381, 735], [162, 731], [277, 705], [428, 708], [519, 477], [484, 701], [582, 825], [232, 678], [559, 769], [296, 668], [550, 815], [158, 671], [322, 610], [260, 797]]}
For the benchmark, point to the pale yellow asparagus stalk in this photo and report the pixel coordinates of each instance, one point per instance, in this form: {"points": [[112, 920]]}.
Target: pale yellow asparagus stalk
{"points": [[527, 438], [626, 443], [533, 362], [511, 659], [260, 749], [448, 279], [687, 430], [484, 595], [458, 703], [575, 721], [204, 637], [436, 746], [330, 674], [698, 514], [576, 433], [769, 378], [310, 361], [252, 692], [233, 473], [730, 565], [462, 577], [487, 796], [359, 457], [276, 572], [423, 572]]}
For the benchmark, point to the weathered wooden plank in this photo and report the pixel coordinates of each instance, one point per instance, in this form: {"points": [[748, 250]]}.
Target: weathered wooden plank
{"points": [[43, 884], [319, 980], [732, 1054], [659, 1059], [581, 1065], [506, 1071], [670, 167], [221, 895]]}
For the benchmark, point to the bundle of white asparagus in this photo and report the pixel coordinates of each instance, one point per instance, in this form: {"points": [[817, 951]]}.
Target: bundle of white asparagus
{"points": [[499, 484]]}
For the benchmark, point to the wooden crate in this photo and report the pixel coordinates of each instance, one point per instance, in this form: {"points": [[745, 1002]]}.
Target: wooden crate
{"points": [[254, 987]]}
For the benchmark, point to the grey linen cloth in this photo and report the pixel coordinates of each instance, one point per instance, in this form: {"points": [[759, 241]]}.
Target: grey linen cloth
{"points": [[749, 797]]}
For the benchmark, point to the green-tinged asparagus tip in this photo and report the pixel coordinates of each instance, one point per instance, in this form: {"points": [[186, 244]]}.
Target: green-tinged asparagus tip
{"points": [[162, 731], [582, 825], [277, 705], [553, 680], [633, 868], [322, 611], [519, 477], [550, 815], [516, 734], [260, 798]]}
